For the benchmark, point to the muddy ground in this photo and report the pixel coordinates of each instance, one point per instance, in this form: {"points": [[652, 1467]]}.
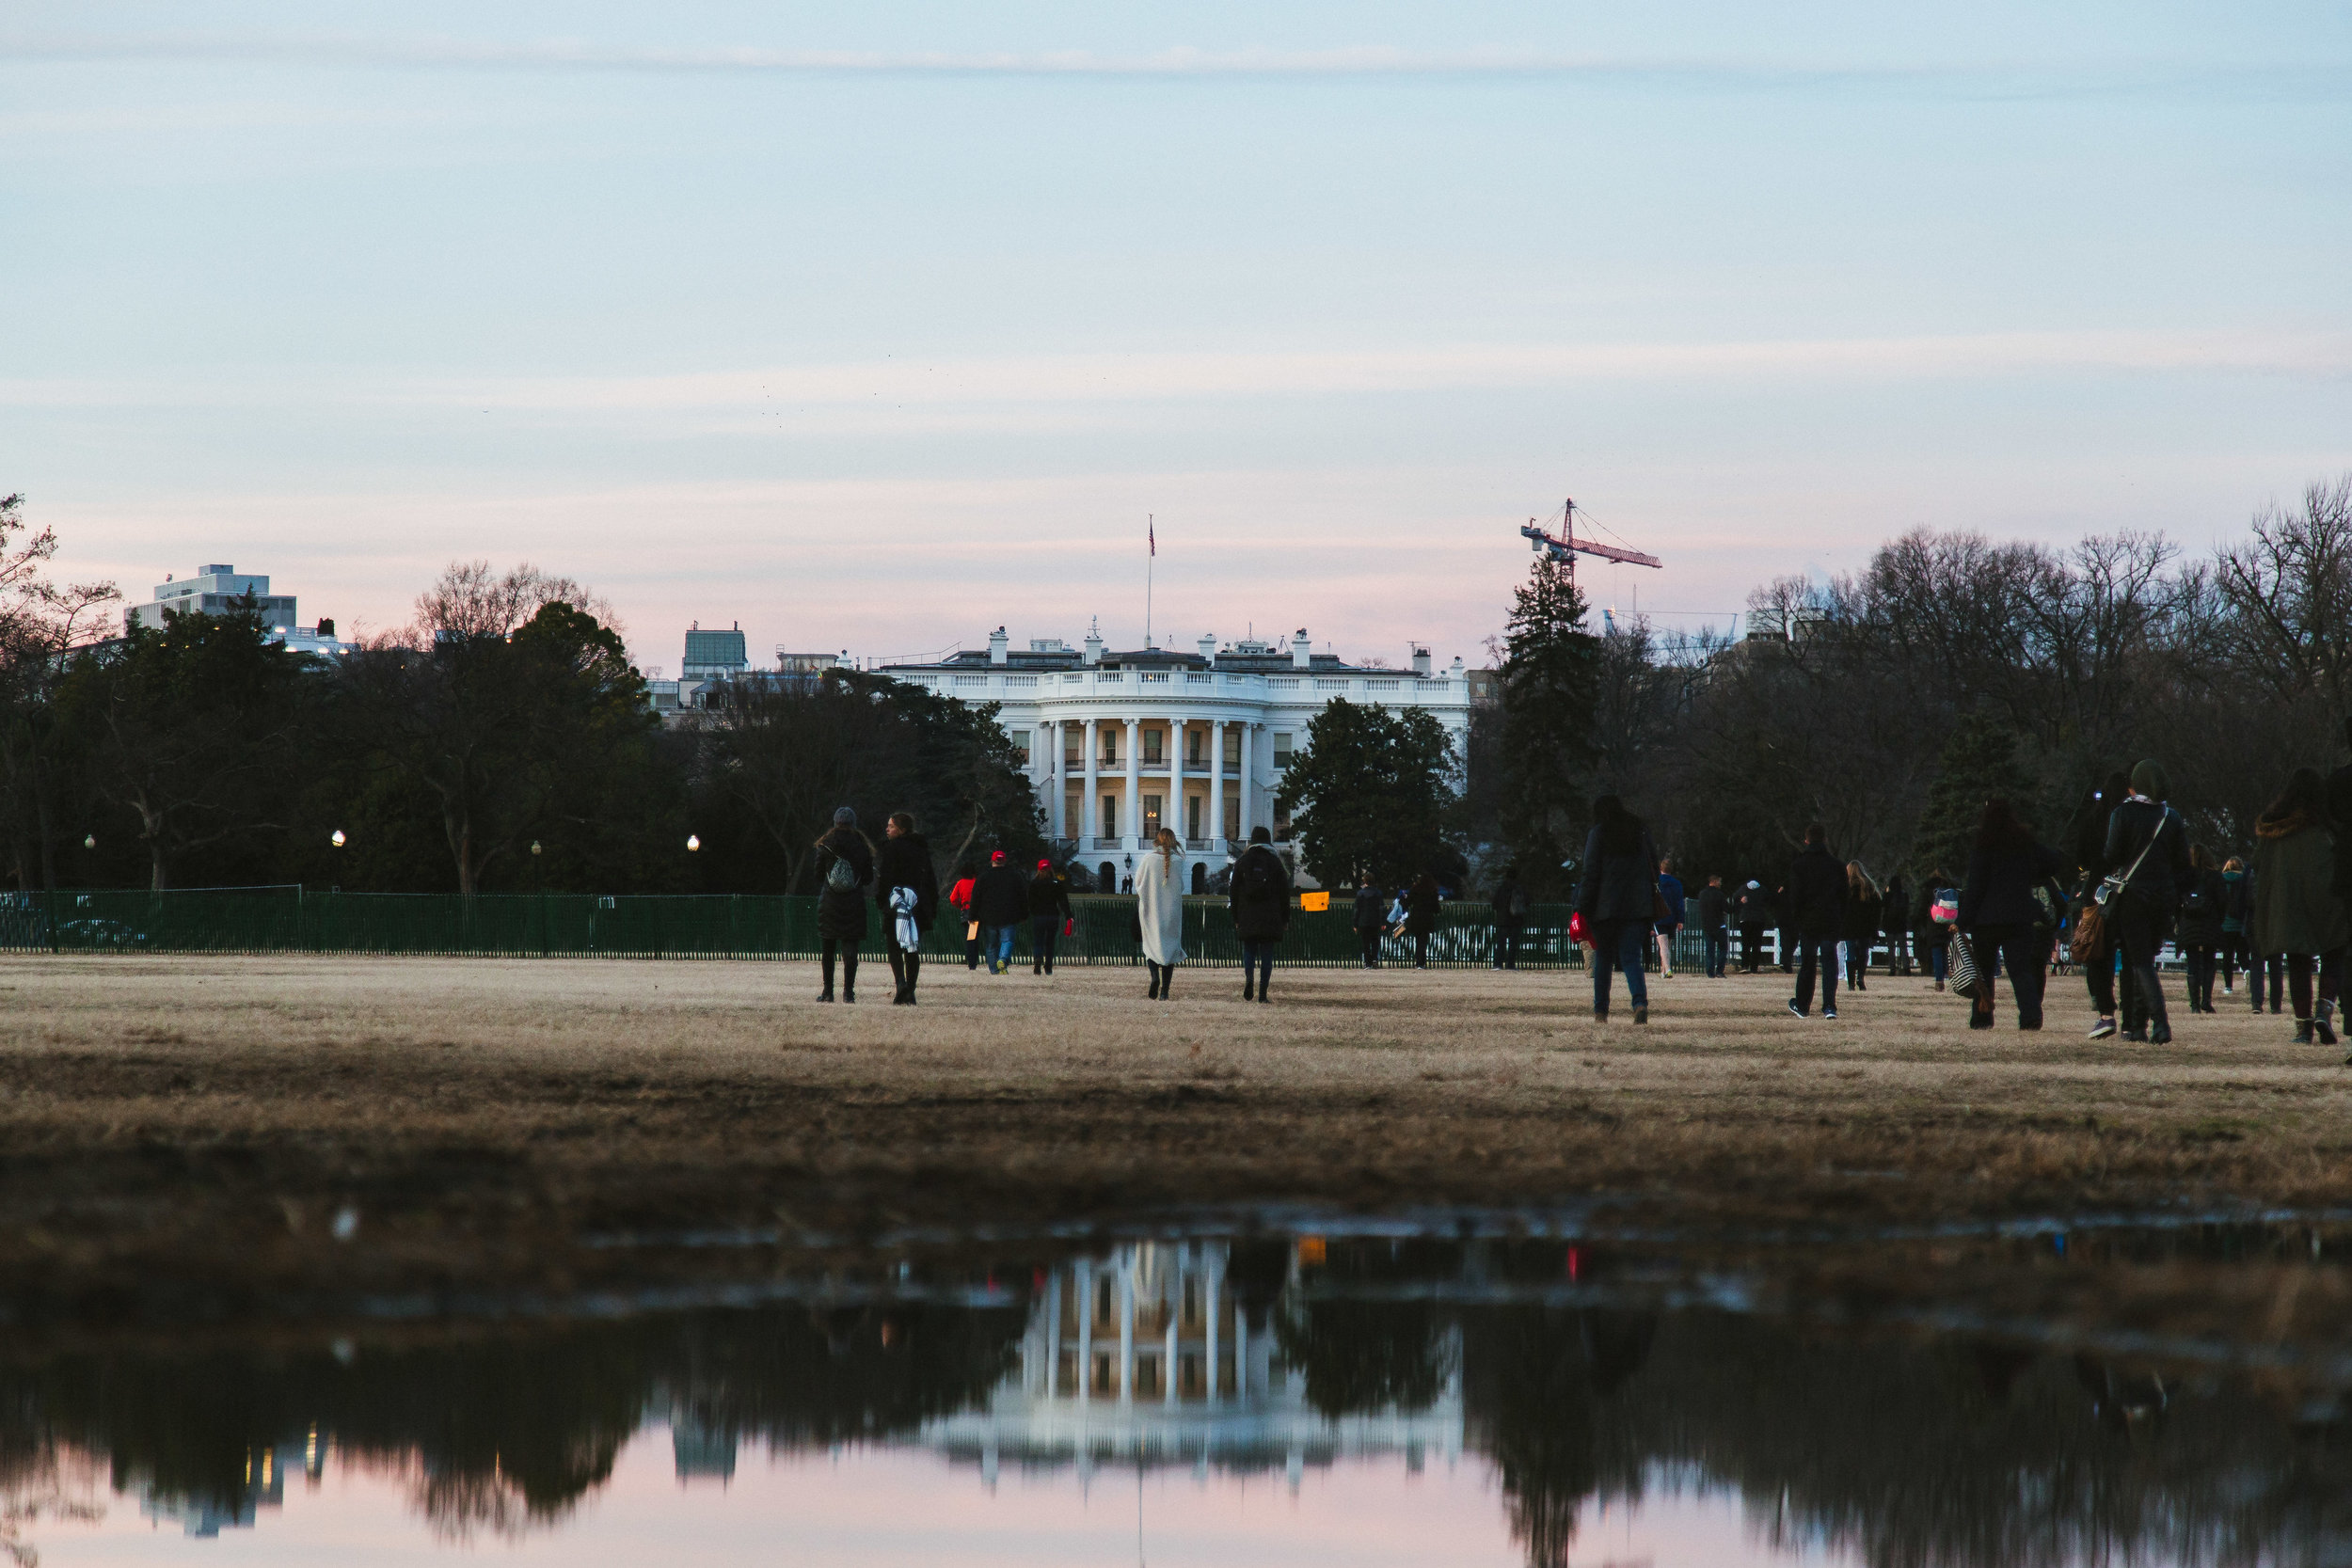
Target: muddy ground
{"points": [[194, 1134]]}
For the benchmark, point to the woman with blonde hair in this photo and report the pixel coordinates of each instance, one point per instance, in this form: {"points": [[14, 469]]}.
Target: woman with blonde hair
{"points": [[1160, 912]]}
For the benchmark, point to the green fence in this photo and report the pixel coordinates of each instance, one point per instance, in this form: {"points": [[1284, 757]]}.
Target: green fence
{"points": [[293, 920]]}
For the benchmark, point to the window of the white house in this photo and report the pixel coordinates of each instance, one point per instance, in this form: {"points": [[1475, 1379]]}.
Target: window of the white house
{"points": [[1281, 749]]}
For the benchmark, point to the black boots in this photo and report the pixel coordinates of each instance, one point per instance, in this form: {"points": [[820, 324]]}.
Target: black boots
{"points": [[2323, 1023], [2152, 996]]}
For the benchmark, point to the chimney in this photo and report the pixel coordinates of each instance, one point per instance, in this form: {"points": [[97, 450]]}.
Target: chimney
{"points": [[1208, 644], [1301, 654], [1420, 659], [327, 626], [998, 643], [1094, 645]]}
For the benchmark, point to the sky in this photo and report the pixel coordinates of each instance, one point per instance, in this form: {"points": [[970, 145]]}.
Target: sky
{"points": [[874, 327]]}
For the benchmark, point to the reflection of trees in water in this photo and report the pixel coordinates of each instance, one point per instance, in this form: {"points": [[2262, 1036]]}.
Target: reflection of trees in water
{"points": [[1535, 1381], [1366, 1355], [496, 1436]]}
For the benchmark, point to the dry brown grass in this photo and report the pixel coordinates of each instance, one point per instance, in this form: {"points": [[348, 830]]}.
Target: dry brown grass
{"points": [[208, 1116]]}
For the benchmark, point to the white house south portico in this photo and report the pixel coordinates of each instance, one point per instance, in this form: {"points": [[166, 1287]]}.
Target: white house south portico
{"points": [[1120, 744]]}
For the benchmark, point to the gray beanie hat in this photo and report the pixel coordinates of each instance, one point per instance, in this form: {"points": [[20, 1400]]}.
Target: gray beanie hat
{"points": [[844, 817], [2149, 778]]}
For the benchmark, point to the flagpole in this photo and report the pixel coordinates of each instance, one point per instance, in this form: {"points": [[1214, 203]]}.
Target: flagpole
{"points": [[1152, 552]]}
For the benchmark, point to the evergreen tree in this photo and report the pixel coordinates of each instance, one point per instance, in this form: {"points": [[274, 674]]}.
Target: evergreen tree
{"points": [[1549, 682], [1979, 763], [1372, 787]]}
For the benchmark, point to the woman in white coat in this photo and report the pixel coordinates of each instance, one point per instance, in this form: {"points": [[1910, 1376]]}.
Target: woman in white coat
{"points": [[1160, 912]]}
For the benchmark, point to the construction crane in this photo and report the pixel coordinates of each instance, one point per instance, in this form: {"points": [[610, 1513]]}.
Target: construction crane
{"points": [[1567, 546]]}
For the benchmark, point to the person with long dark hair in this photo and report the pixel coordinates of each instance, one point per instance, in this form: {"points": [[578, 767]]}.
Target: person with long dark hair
{"points": [[2297, 914], [906, 885], [2199, 938], [1860, 929], [1258, 897], [2147, 848], [1817, 916], [1049, 911], [1424, 900], [1618, 896], [845, 869], [1370, 918], [2000, 914]]}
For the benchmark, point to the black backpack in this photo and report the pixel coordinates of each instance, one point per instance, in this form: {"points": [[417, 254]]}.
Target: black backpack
{"points": [[1261, 878]]}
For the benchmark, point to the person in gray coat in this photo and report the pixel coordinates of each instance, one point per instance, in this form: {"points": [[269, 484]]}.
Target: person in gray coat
{"points": [[1618, 896]]}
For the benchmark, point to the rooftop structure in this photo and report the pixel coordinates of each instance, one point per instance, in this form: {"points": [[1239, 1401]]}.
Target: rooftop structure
{"points": [[714, 655], [222, 590]]}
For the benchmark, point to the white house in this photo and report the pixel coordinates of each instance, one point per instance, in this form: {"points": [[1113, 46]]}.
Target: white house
{"points": [[1120, 743]]}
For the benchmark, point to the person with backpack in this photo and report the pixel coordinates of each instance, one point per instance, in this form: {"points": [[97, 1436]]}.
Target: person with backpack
{"points": [[1000, 902], [1260, 901], [2147, 851], [1618, 896], [1670, 890], [1370, 919], [907, 888], [1160, 912], [2202, 897], [1931, 937], [2297, 915], [1714, 924], [844, 868], [1049, 911], [2000, 912], [1510, 906]]}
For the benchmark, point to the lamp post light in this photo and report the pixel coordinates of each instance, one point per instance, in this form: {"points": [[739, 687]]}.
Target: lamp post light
{"points": [[694, 842], [337, 839], [89, 841]]}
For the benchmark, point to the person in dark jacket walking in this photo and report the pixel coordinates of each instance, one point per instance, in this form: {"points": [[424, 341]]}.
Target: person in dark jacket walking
{"points": [[2297, 912], [2000, 914], [1860, 931], [959, 901], [1049, 911], [1895, 926], [1714, 924], [1618, 896], [845, 869], [2203, 899], [1755, 911], [1510, 906], [2148, 845], [1669, 889], [1932, 936], [2087, 839], [1816, 913], [1785, 919], [2237, 934], [1371, 918], [904, 875], [1423, 901], [1000, 902], [1259, 897]]}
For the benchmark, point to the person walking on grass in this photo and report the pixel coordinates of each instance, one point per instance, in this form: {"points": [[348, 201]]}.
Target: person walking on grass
{"points": [[1370, 918], [1160, 912], [1863, 907], [1423, 901], [1895, 926], [2088, 836], [1618, 896], [2297, 915], [2147, 848], [845, 869], [1714, 925], [1931, 937], [1510, 906], [1669, 889], [2202, 898], [2234, 953], [2000, 914], [907, 888], [959, 901], [1259, 896], [1755, 911], [1000, 902], [1816, 912], [1049, 911]]}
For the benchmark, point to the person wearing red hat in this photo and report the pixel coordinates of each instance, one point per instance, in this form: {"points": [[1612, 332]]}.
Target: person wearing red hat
{"points": [[1000, 902], [1049, 911]]}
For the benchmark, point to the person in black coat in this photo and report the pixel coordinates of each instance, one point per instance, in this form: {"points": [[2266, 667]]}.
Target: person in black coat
{"points": [[2203, 902], [1816, 913], [1049, 910], [1715, 924], [2148, 846], [1754, 908], [2087, 841], [1371, 918], [1000, 902], [1259, 897], [2000, 914], [905, 861], [1618, 896], [1510, 906], [1423, 902], [845, 869]]}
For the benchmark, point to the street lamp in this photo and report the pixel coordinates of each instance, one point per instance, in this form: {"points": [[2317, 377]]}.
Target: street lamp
{"points": [[89, 841], [692, 843], [534, 845], [335, 838]]}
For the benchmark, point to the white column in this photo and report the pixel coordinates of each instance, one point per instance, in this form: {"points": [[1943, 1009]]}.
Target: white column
{"points": [[1090, 809], [1173, 815], [1056, 779], [1215, 1279], [1216, 784], [1053, 1334], [1171, 1300], [1133, 833], [1085, 1283], [1127, 1332], [1248, 786], [1241, 1352]]}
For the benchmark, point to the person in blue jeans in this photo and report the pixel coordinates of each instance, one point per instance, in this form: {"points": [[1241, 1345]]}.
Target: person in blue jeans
{"points": [[1618, 896], [1000, 902], [1715, 924], [1818, 894]]}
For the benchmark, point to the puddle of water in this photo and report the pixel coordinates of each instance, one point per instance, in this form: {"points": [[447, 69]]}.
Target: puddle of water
{"points": [[1293, 1400]]}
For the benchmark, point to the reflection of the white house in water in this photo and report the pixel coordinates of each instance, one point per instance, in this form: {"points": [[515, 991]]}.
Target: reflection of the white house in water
{"points": [[1147, 1358]]}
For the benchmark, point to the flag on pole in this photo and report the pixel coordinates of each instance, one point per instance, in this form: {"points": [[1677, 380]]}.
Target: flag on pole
{"points": [[1151, 533]]}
